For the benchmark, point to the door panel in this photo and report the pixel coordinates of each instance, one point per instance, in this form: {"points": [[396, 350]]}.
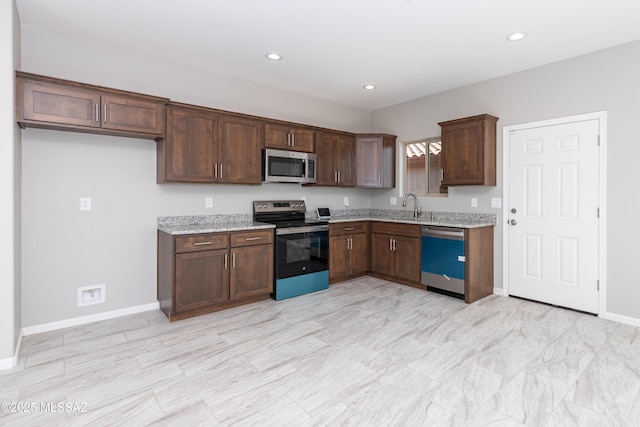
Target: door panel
{"points": [[553, 197]]}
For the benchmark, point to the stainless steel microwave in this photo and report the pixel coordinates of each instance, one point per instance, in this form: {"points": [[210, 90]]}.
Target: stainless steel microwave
{"points": [[288, 166]]}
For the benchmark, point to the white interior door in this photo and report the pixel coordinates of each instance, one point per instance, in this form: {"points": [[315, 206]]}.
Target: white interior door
{"points": [[553, 214]]}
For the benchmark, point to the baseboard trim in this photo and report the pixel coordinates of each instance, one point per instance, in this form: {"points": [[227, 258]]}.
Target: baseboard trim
{"points": [[498, 291], [11, 362], [620, 318], [77, 321]]}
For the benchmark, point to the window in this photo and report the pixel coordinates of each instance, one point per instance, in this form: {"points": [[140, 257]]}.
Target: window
{"points": [[423, 168]]}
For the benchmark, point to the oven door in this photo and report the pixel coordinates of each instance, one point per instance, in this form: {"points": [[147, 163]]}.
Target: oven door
{"points": [[301, 252]]}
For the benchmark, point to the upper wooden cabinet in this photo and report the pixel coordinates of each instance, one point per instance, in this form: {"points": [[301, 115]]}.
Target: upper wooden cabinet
{"points": [[286, 137], [203, 145], [335, 159], [469, 150], [375, 161], [50, 103]]}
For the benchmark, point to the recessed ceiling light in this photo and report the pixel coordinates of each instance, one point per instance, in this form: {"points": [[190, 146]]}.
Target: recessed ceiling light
{"points": [[274, 56], [369, 87], [516, 37]]}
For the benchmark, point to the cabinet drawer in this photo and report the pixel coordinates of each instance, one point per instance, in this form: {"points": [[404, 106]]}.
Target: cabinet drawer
{"points": [[396, 229], [347, 228], [202, 242], [253, 237]]}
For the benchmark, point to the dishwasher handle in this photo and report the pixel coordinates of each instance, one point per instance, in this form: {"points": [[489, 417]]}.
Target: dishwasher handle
{"points": [[443, 232]]}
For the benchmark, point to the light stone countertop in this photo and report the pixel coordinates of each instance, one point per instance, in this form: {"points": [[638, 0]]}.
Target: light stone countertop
{"points": [[195, 224]]}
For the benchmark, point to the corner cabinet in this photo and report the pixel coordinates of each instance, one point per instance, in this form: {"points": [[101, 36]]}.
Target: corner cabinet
{"points": [[202, 273], [348, 250], [375, 160], [203, 145], [469, 151], [335, 159], [49, 103]]}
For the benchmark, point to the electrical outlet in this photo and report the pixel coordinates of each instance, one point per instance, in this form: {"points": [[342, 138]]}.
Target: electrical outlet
{"points": [[208, 202], [496, 202], [346, 201], [90, 295], [393, 201], [304, 199], [474, 202], [85, 203]]}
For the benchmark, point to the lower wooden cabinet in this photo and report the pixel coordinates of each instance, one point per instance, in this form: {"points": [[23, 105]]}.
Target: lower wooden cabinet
{"points": [[348, 250], [395, 251], [202, 273]]}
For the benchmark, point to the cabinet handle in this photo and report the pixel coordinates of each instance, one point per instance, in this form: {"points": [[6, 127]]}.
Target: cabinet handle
{"points": [[97, 113], [390, 244], [220, 170], [335, 176], [348, 228], [288, 140], [293, 140], [379, 178], [338, 176], [201, 243], [395, 245], [253, 238], [233, 260], [225, 261], [105, 113]]}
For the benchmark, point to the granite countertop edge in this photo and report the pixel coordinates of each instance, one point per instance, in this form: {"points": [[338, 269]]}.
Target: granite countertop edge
{"points": [[220, 227], [419, 221]]}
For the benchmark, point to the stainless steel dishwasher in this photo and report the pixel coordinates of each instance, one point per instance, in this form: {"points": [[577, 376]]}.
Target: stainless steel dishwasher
{"points": [[443, 259]]}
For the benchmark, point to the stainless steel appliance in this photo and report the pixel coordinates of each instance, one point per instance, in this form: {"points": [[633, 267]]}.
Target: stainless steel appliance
{"points": [[443, 260], [301, 247], [288, 166]]}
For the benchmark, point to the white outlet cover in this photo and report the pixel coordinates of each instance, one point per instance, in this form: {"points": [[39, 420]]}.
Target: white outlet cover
{"points": [[496, 202], [89, 295], [208, 202], [474, 202], [346, 201], [393, 201], [85, 203]]}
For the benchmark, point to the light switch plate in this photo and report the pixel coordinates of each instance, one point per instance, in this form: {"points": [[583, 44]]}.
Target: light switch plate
{"points": [[85, 203]]}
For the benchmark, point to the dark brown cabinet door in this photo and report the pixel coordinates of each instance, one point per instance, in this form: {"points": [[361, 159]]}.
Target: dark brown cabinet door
{"points": [[469, 151], [335, 153], [240, 150], [375, 161], [251, 271], [382, 259], [284, 137], [129, 113], [189, 149], [338, 256], [60, 104], [407, 258], [201, 279], [359, 253]]}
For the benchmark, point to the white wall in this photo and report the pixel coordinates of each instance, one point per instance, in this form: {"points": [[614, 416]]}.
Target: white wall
{"points": [[10, 296], [115, 243], [602, 81]]}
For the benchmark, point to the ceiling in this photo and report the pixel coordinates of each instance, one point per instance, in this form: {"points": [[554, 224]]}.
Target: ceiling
{"points": [[332, 48]]}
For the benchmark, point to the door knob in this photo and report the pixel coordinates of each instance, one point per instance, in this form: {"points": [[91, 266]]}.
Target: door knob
{"points": [[513, 222]]}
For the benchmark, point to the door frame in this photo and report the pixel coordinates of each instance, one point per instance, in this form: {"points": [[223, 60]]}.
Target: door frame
{"points": [[601, 116]]}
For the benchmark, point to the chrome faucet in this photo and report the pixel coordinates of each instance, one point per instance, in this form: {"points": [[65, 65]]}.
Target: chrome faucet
{"points": [[416, 209]]}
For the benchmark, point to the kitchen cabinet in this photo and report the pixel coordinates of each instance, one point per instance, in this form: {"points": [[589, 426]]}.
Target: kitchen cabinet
{"points": [[288, 137], [375, 160], [207, 272], [335, 159], [50, 103], [469, 150], [348, 250], [395, 251], [202, 145]]}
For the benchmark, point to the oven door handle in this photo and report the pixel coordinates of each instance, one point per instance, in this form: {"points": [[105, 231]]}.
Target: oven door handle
{"points": [[300, 230]]}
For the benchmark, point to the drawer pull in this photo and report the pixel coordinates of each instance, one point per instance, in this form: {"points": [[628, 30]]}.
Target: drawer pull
{"points": [[349, 228], [201, 243], [225, 261], [233, 260], [252, 238]]}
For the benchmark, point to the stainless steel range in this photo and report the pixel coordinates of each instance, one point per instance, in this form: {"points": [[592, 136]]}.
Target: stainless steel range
{"points": [[301, 249]]}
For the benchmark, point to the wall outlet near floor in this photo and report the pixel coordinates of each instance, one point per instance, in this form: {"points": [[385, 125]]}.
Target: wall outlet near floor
{"points": [[474, 202], [496, 202], [90, 295], [208, 202], [393, 201], [85, 203]]}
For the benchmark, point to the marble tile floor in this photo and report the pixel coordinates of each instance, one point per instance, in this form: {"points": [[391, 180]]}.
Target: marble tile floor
{"points": [[366, 352]]}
